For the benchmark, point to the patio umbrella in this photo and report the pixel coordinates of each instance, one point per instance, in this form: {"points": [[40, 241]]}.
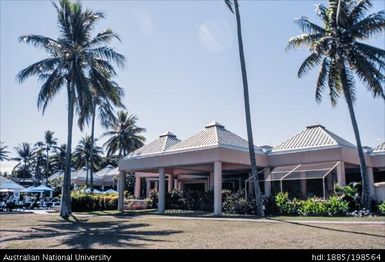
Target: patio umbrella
{"points": [[111, 191], [9, 184], [88, 190]]}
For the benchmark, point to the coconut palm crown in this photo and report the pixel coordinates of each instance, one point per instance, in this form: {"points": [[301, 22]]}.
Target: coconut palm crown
{"points": [[337, 48]]}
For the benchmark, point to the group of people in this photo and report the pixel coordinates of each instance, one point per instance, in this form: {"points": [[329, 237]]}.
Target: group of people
{"points": [[9, 201]]}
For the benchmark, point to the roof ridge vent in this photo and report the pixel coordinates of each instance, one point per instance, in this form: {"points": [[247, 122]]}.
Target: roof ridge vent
{"points": [[315, 126], [213, 124], [168, 133]]}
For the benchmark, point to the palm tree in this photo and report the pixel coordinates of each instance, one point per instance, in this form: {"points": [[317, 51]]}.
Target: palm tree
{"points": [[124, 135], [24, 157], [105, 95], [38, 161], [50, 143], [57, 161], [3, 152], [254, 173], [84, 156], [338, 49], [72, 56]]}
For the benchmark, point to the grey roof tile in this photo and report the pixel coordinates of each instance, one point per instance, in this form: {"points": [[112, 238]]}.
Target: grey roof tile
{"points": [[164, 142], [313, 136]]}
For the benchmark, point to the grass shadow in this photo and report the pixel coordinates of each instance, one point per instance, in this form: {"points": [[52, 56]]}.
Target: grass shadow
{"points": [[85, 234]]}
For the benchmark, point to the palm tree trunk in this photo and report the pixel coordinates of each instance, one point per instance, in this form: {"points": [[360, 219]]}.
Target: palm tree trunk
{"points": [[47, 165], [92, 147], [65, 210], [258, 197], [361, 156]]}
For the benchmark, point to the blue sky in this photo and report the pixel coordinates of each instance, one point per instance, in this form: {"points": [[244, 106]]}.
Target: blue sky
{"points": [[183, 71]]}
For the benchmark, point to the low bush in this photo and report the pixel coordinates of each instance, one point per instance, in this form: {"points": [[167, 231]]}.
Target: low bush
{"points": [[334, 206], [235, 203], [134, 204], [93, 202], [381, 208], [284, 205]]}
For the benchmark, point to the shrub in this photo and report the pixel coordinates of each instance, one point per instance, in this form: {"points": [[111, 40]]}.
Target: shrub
{"points": [[152, 199], [350, 193], [336, 206], [381, 208], [134, 204], [284, 205], [91, 202], [235, 203], [310, 207]]}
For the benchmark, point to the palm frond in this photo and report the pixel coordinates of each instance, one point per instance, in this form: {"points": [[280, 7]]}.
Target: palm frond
{"points": [[109, 54], [229, 4], [311, 61], [307, 26], [322, 80], [369, 26], [303, 40], [37, 69], [367, 73], [46, 43], [360, 9]]}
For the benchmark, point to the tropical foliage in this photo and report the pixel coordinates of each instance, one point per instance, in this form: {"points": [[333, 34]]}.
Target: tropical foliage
{"points": [[3, 152], [124, 136], [338, 49], [24, 158], [74, 58]]}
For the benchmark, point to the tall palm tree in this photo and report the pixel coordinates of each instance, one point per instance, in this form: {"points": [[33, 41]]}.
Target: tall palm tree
{"points": [[124, 135], [85, 157], [50, 143], [105, 95], [3, 152], [234, 6], [24, 157], [72, 56], [338, 49]]}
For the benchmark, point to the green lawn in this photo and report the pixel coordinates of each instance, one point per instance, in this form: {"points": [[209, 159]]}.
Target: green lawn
{"points": [[31, 231]]}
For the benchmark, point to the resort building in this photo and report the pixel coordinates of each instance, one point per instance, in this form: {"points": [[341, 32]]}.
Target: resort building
{"points": [[308, 164]]}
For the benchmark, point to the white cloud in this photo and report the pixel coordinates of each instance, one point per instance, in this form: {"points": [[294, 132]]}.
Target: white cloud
{"points": [[215, 35]]}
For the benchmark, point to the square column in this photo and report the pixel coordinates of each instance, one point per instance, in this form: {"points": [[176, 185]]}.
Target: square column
{"points": [[266, 175], [218, 188], [303, 183], [341, 179], [121, 185], [371, 182], [137, 187], [176, 183], [148, 187], [211, 181], [162, 191], [170, 183]]}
